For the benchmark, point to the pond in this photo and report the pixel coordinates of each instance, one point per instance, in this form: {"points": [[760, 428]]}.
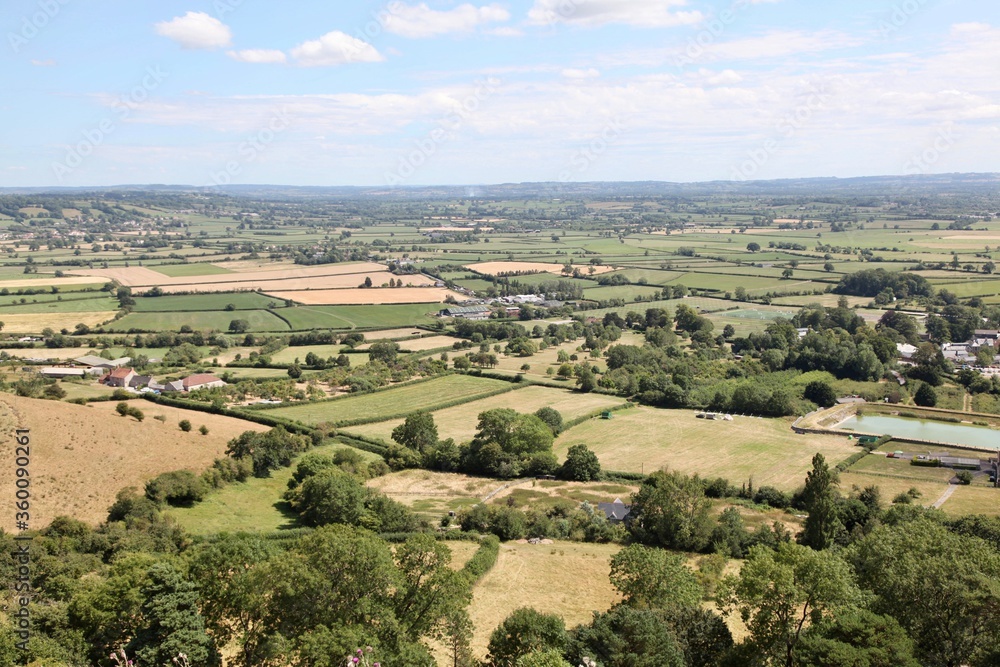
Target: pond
{"points": [[925, 429]]}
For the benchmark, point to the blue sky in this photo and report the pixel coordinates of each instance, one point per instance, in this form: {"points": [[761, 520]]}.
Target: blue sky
{"points": [[201, 92]]}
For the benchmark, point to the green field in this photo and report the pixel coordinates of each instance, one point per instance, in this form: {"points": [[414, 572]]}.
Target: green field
{"points": [[99, 302], [194, 302], [259, 320], [647, 439], [459, 422], [254, 505], [388, 403], [303, 318]]}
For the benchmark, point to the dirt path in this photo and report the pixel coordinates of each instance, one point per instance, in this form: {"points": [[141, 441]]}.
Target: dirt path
{"points": [[966, 403], [944, 496]]}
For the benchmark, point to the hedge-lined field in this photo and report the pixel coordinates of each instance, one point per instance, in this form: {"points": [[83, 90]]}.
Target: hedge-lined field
{"points": [[428, 395]]}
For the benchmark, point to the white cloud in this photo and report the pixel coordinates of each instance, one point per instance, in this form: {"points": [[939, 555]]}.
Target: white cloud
{"points": [[638, 13], [258, 56], [506, 31], [416, 21], [726, 77], [196, 30], [44, 63], [335, 48], [590, 73]]}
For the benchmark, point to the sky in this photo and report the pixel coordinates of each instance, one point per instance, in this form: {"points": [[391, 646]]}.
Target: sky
{"points": [[401, 93]]}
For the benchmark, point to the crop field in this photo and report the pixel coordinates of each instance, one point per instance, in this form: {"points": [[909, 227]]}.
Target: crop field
{"points": [[255, 505], [99, 303], [191, 269], [358, 317], [573, 577], [138, 276], [392, 402], [194, 302], [647, 439], [318, 296], [36, 322], [259, 320], [290, 354], [459, 422], [502, 268], [83, 455]]}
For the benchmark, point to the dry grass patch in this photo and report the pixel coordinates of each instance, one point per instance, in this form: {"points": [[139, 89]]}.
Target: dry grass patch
{"points": [[36, 322], [459, 422], [362, 297], [973, 499], [81, 456], [461, 552], [647, 439], [415, 345], [434, 494], [565, 578]]}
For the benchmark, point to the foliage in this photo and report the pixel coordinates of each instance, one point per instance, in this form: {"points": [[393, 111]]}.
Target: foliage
{"points": [[524, 632]]}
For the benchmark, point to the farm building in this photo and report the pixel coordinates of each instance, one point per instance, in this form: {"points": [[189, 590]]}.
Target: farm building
{"points": [[201, 381], [467, 312], [59, 372], [119, 377], [98, 362], [615, 512]]}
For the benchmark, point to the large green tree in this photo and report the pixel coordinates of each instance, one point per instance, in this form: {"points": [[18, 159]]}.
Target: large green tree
{"points": [[942, 587], [652, 577], [779, 593], [418, 432], [820, 499], [671, 510], [524, 632]]}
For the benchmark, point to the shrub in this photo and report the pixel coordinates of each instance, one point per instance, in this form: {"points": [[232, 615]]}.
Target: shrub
{"points": [[203, 429], [964, 477], [178, 488], [185, 425]]}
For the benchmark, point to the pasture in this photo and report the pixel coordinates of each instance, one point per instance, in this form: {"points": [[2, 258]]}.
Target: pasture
{"points": [[459, 422], [647, 439], [254, 505], [388, 403], [573, 577], [83, 455]]}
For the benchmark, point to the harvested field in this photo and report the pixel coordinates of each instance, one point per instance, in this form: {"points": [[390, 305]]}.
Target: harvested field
{"points": [[138, 276], [36, 322], [647, 439], [370, 296], [501, 268], [573, 576], [81, 456], [459, 422], [391, 402], [47, 281]]}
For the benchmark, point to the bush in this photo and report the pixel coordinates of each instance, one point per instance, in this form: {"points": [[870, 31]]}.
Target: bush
{"points": [[203, 429], [964, 477], [185, 425], [181, 488], [768, 495]]}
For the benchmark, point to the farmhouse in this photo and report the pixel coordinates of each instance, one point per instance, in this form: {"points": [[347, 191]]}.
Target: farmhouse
{"points": [[615, 512], [467, 312], [119, 377]]}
